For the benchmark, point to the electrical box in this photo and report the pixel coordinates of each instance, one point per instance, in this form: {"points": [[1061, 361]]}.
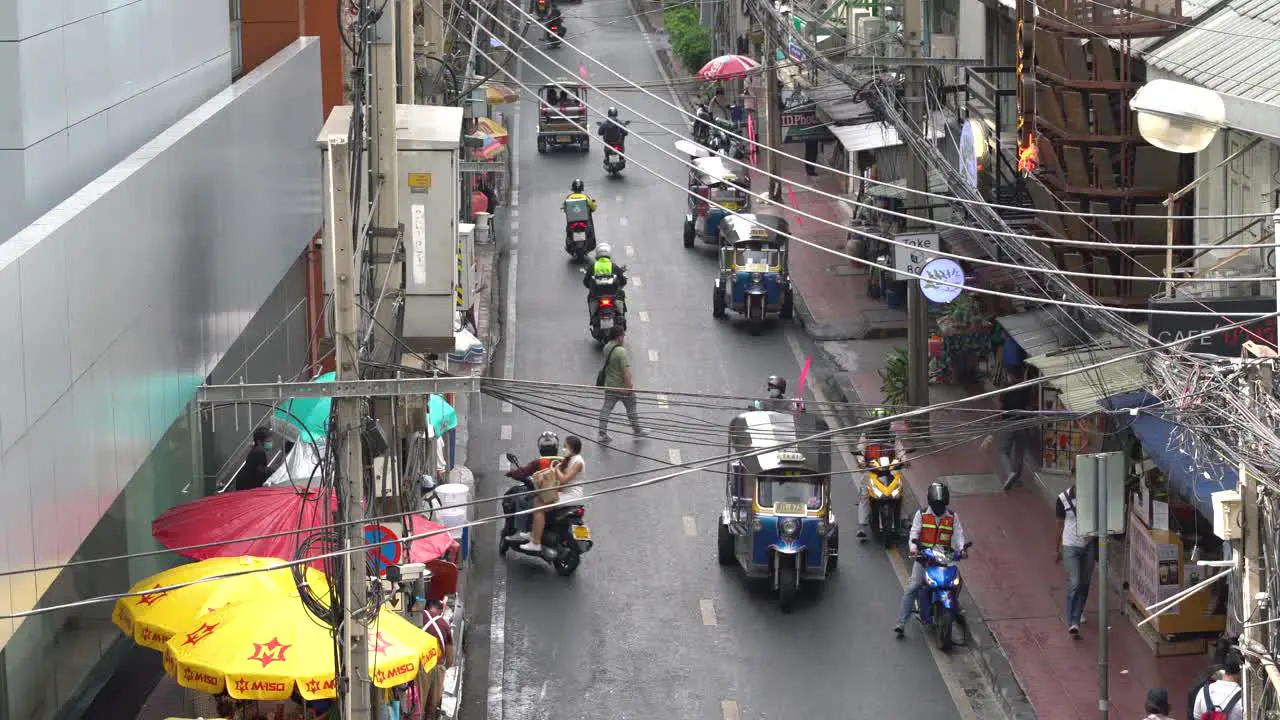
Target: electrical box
{"points": [[1227, 520], [465, 277], [1113, 468], [944, 46], [870, 36]]}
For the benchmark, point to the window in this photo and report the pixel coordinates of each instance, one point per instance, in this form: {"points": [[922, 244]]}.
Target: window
{"points": [[237, 50], [744, 257], [774, 489]]}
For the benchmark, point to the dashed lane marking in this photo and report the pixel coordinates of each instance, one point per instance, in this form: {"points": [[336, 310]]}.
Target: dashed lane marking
{"points": [[644, 316], [505, 432], [653, 356], [514, 213], [623, 222], [515, 225], [729, 710], [674, 456], [503, 464], [617, 198], [690, 527], [635, 282], [631, 251], [708, 612], [506, 407], [662, 401]]}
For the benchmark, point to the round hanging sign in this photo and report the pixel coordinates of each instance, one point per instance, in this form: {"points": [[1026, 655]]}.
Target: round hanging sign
{"points": [[946, 270]]}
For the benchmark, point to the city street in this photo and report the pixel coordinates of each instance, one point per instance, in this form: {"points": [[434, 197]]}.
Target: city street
{"points": [[650, 626]]}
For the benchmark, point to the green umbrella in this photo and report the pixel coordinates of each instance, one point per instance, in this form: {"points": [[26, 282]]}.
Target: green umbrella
{"points": [[440, 415], [309, 415]]}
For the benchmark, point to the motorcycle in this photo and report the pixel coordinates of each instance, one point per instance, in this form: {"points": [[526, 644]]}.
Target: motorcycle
{"points": [[542, 9], [564, 539], [614, 162], [702, 124], [578, 240], [941, 590], [554, 34], [884, 490], [607, 307]]}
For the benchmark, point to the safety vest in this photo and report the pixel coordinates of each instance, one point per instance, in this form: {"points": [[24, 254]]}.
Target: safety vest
{"points": [[545, 461], [936, 531], [604, 266]]}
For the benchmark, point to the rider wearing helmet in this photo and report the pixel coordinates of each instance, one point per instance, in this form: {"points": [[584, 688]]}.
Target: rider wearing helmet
{"points": [[548, 450], [605, 268], [578, 206], [934, 526], [876, 442], [776, 401], [613, 131]]}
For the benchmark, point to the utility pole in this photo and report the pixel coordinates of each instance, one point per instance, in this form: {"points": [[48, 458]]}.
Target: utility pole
{"points": [[1104, 652], [433, 31], [772, 113], [1250, 580], [404, 37], [917, 179], [340, 243]]}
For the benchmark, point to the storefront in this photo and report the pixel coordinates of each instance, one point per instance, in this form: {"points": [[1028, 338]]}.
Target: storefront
{"points": [[1170, 523], [1229, 343]]}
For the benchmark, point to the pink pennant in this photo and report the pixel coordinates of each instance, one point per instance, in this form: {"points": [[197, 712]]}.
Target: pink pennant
{"points": [[751, 134], [582, 71], [804, 376], [791, 192]]}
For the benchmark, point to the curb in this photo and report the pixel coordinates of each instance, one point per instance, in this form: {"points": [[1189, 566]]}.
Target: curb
{"points": [[992, 660]]}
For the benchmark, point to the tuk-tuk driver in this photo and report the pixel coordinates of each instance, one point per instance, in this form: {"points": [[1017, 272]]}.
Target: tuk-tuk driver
{"points": [[578, 206], [936, 525]]}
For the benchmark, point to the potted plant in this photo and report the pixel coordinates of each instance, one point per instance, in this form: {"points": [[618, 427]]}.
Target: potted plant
{"points": [[960, 315], [894, 377]]}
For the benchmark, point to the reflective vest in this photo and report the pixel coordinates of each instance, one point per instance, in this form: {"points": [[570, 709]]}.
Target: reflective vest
{"points": [[936, 531], [545, 461], [604, 266]]}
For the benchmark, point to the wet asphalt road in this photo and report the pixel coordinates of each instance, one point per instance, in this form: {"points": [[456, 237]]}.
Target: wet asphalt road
{"points": [[630, 635]]}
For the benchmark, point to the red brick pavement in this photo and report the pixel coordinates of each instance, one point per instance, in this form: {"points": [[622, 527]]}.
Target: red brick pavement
{"points": [[1020, 592]]}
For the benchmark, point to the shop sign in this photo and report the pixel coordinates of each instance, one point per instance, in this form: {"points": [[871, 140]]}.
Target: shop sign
{"points": [[913, 251], [1228, 343], [946, 270], [1144, 566], [793, 49]]}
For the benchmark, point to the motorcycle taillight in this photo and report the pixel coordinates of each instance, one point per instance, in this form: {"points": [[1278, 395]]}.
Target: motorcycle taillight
{"points": [[579, 512], [578, 226], [606, 302]]}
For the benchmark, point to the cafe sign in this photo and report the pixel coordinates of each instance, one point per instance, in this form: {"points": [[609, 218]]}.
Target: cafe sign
{"points": [[1228, 343]]}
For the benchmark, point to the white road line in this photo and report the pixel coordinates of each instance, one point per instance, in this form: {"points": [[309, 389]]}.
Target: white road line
{"points": [[515, 196], [631, 251], [515, 225], [690, 526], [644, 316], [505, 432], [708, 612], [662, 401], [514, 212], [503, 464], [623, 222], [617, 198], [635, 281], [674, 456], [729, 710], [944, 662], [653, 356], [506, 407]]}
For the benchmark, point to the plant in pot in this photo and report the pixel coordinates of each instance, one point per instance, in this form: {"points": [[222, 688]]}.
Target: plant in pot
{"points": [[894, 377], [960, 315]]}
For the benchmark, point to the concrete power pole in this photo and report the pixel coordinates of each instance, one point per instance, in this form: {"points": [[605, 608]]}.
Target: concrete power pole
{"points": [[404, 39], [917, 179], [772, 113], [340, 243]]}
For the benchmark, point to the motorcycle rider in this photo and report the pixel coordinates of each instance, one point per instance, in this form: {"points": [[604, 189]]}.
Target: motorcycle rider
{"points": [[934, 526], [613, 132], [578, 206], [548, 451], [555, 19], [879, 440], [604, 268], [776, 400]]}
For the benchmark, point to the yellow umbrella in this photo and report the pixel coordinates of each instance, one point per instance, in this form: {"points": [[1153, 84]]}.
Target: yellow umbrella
{"points": [[153, 618], [262, 649], [498, 94]]}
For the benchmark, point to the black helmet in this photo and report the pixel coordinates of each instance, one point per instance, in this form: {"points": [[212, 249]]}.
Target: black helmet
{"points": [[777, 386], [548, 444], [613, 113], [939, 498], [576, 185]]}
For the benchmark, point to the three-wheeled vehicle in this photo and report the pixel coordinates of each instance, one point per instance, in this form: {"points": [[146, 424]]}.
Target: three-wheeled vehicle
{"points": [[718, 180], [561, 100], [777, 521], [753, 278]]}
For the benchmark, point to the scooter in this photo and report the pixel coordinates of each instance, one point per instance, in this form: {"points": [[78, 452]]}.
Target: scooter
{"points": [[554, 34], [607, 315], [941, 590], [564, 539], [614, 162], [702, 124], [884, 490], [578, 239]]}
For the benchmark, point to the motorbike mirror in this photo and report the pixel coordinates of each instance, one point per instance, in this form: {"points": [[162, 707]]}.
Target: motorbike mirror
{"points": [[968, 545], [511, 458]]}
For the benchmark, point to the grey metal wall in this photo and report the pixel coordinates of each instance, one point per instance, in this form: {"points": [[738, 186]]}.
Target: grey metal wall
{"points": [[118, 303]]}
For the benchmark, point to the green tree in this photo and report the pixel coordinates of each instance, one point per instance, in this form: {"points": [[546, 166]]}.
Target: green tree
{"points": [[690, 40]]}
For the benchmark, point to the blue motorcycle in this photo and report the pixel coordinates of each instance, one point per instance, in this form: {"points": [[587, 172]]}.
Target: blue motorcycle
{"points": [[941, 591]]}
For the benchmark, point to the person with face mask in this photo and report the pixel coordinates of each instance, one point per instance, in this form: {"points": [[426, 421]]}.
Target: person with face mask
{"points": [[934, 525], [257, 463]]}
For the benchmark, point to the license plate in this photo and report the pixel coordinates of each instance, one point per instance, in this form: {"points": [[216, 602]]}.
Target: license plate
{"points": [[579, 237], [729, 205], [580, 532], [789, 508], [562, 138], [606, 323]]}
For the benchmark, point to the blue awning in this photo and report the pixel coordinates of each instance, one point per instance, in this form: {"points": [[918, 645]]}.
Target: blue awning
{"points": [[1167, 444]]}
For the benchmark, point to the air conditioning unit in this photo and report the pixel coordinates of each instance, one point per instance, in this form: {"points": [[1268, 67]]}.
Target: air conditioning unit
{"points": [[1227, 521], [944, 46]]}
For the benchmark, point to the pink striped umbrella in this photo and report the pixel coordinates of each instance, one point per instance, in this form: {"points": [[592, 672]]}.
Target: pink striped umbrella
{"points": [[728, 67]]}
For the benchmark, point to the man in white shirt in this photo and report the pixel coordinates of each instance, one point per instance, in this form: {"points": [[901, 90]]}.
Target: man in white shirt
{"points": [[1224, 694], [1077, 551]]}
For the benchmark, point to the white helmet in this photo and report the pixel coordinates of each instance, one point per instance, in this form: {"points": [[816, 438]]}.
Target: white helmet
{"points": [[604, 251]]}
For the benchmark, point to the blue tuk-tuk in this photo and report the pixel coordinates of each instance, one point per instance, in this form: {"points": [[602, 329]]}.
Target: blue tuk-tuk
{"points": [[777, 521], [753, 278], [720, 186]]}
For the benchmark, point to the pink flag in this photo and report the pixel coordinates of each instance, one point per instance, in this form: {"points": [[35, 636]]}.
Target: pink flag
{"points": [[804, 376], [791, 191], [582, 72], [751, 133]]}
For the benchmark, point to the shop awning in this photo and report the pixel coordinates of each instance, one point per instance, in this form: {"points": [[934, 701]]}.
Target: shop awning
{"points": [[1043, 331], [1192, 468], [876, 135], [1083, 391]]}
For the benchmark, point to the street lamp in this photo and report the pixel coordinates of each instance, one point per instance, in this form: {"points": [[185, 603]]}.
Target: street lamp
{"points": [[1183, 118]]}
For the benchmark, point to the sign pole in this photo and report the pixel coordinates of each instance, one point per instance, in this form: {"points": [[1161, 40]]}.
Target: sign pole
{"points": [[917, 179], [1101, 477]]}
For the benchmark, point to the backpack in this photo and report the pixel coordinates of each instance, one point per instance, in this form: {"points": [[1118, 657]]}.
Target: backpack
{"points": [[1216, 712], [600, 375]]}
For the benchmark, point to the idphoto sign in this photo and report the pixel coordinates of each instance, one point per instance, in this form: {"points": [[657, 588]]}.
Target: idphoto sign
{"points": [[1228, 343]]}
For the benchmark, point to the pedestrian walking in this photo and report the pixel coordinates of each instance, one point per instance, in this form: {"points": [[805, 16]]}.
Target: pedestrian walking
{"points": [[438, 626], [1014, 440], [1076, 553], [1157, 704], [615, 378], [1221, 698], [256, 470]]}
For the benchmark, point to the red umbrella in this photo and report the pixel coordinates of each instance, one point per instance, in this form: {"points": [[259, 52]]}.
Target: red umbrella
{"points": [[727, 67], [266, 511]]}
